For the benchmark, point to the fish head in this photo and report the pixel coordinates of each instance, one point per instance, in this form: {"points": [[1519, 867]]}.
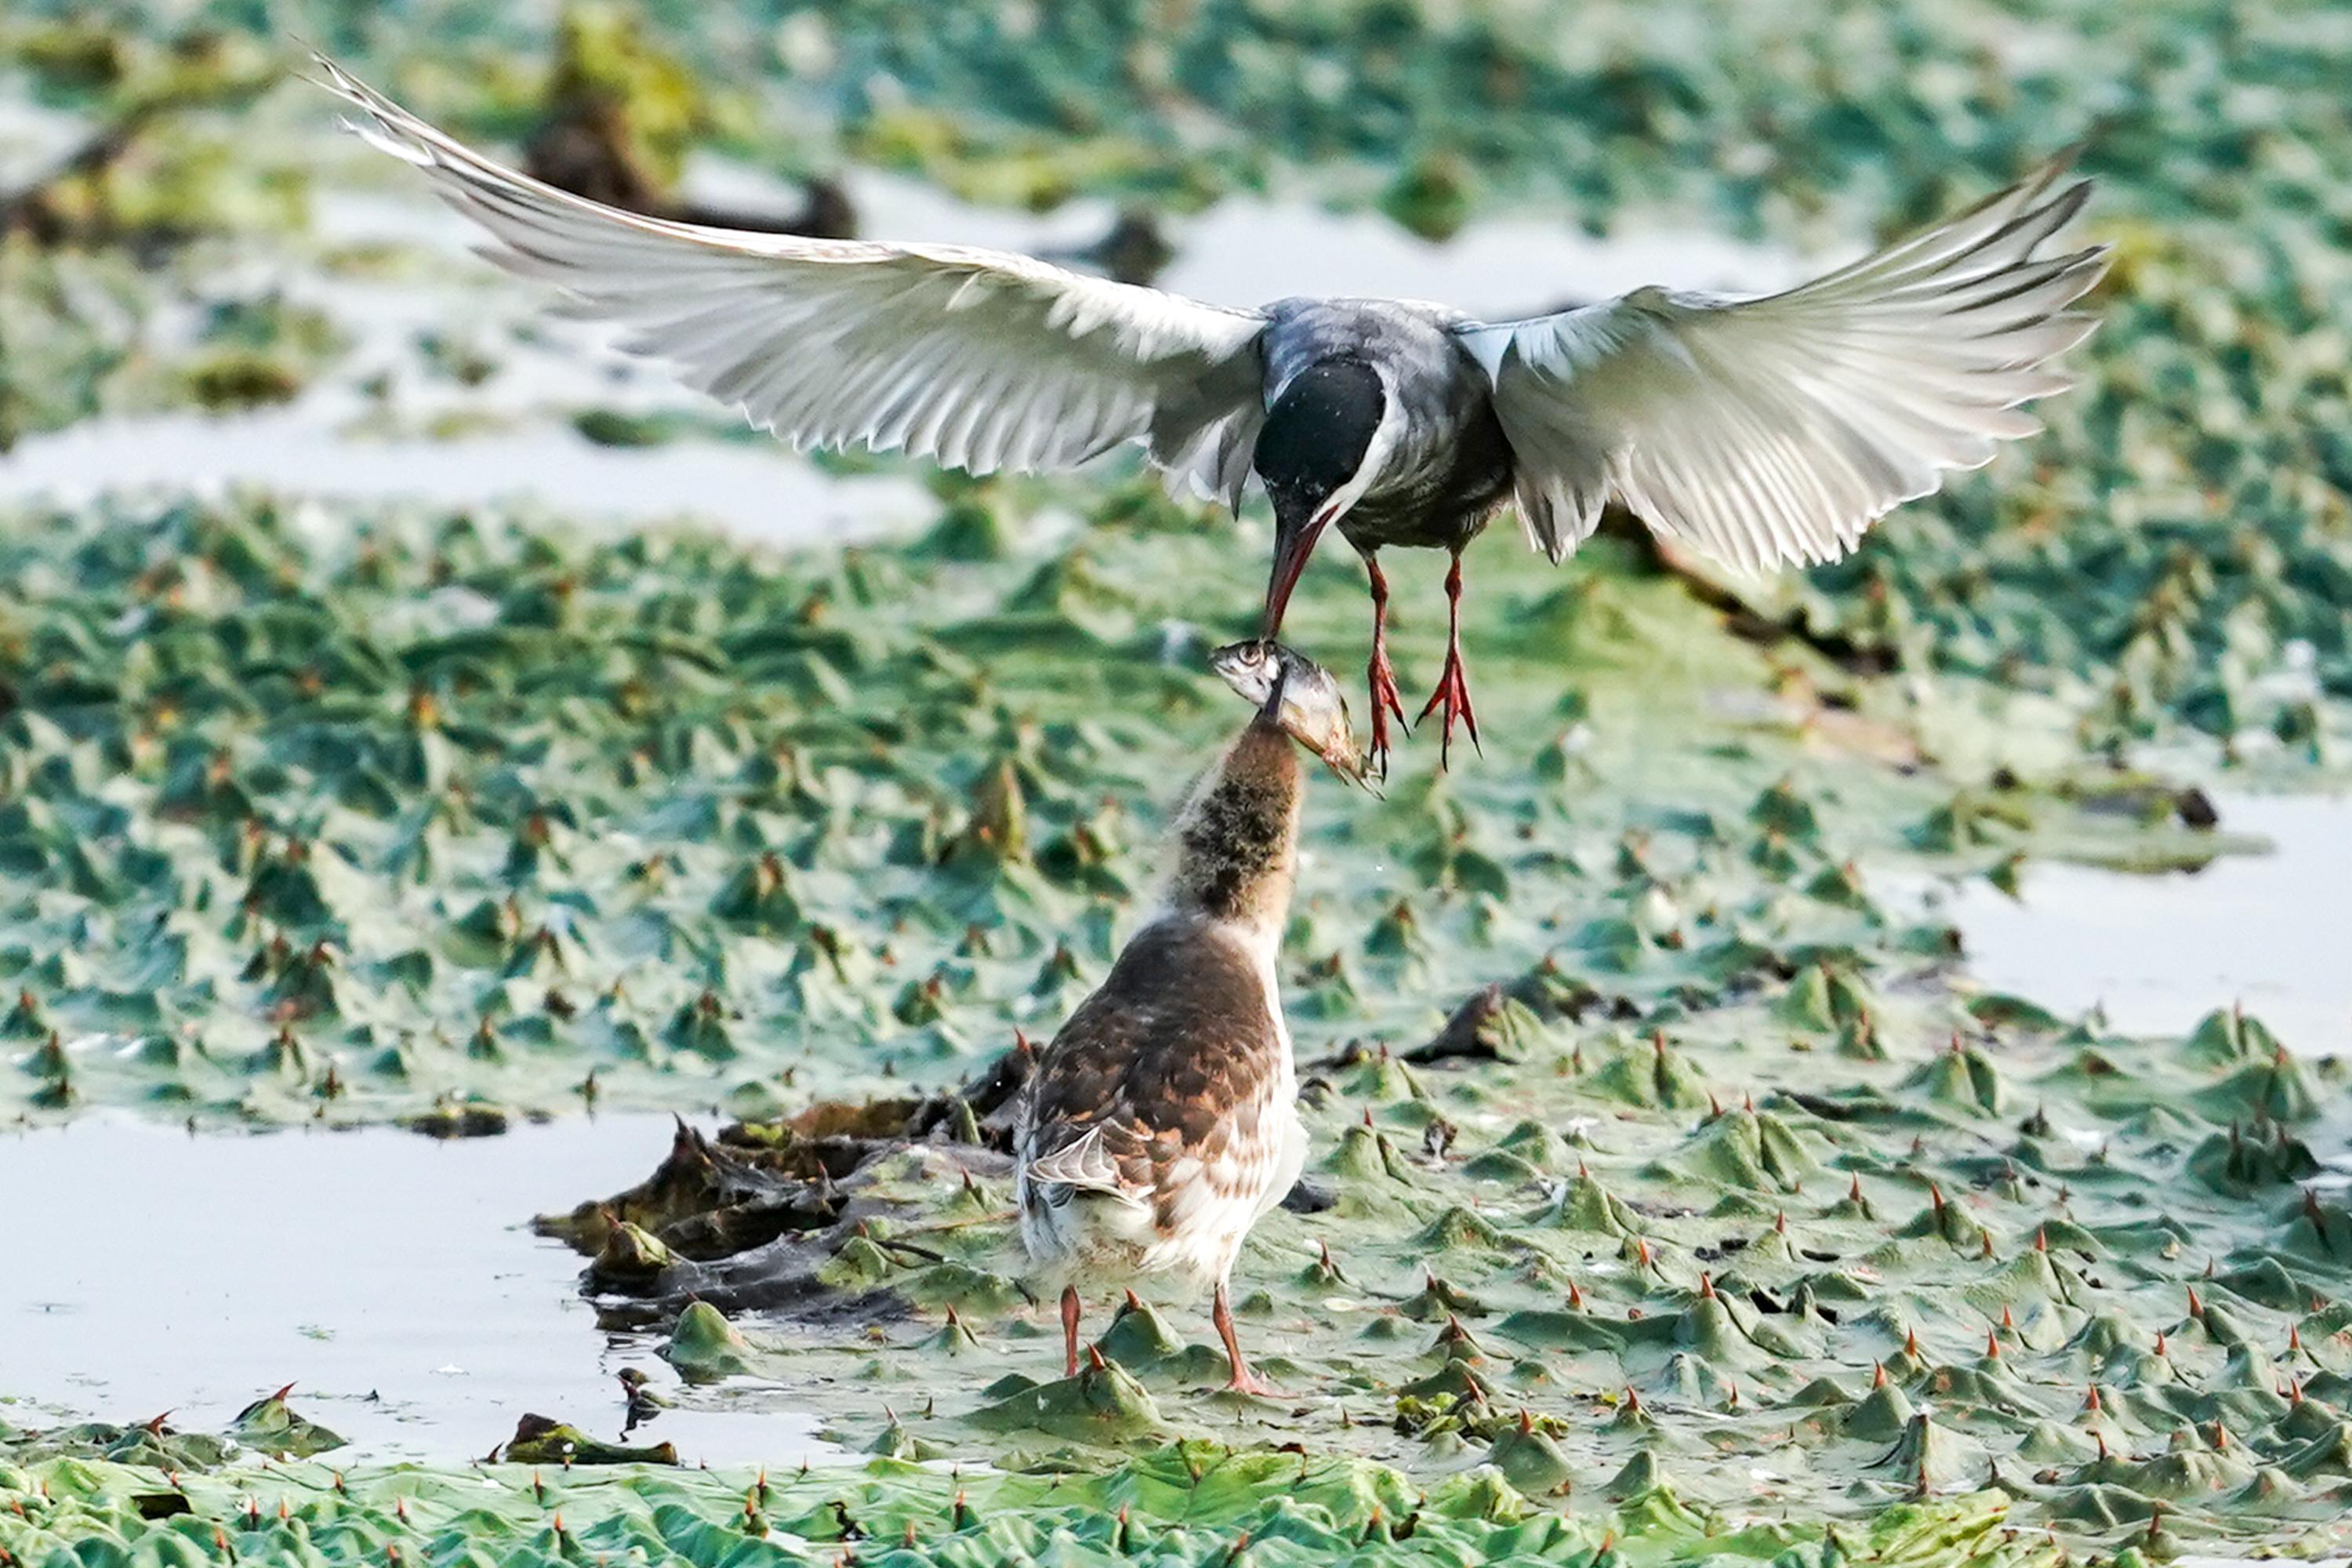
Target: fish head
{"points": [[1296, 695], [1250, 667]]}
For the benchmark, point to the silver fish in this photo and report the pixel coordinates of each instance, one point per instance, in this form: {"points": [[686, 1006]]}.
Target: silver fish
{"points": [[1313, 712]]}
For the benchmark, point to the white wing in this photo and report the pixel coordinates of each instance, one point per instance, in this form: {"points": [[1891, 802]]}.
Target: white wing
{"points": [[979, 359], [1774, 430]]}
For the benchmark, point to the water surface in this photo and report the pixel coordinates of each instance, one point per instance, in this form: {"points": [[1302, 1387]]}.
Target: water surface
{"points": [[386, 1275], [2159, 952]]}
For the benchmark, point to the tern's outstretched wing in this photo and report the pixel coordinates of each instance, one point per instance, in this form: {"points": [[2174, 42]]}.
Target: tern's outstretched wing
{"points": [[1771, 430], [979, 359]]}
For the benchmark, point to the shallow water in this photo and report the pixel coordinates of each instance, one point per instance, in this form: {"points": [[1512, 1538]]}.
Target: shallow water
{"points": [[520, 444], [753, 493], [2160, 952], [384, 1274]]}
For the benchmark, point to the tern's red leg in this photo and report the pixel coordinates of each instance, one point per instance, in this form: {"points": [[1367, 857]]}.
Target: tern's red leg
{"points": [[1453, 693], [1070, 1330], [1380, 673], [1244, 1379]]}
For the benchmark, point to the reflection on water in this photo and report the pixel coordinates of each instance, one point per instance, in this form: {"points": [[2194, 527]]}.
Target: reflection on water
{"points": [[382, 1273], [2160, 952]]}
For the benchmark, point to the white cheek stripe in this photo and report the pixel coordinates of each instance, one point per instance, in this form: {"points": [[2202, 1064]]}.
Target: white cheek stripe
{"points": [[1376, 454]]}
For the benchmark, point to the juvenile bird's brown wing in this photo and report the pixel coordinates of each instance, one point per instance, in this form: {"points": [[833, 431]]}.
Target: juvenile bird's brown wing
{"points": [[1167, 1072]]}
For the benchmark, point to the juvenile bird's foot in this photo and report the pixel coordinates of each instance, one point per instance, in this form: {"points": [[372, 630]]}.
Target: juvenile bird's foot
{"points": [[1452, 697], [1245, 1380]]}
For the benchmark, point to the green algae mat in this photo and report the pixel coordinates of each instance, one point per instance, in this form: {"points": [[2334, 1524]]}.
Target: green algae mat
{"points": [[1663, 1168], [1180, 1505], [461, 820], [1675, 1195]]}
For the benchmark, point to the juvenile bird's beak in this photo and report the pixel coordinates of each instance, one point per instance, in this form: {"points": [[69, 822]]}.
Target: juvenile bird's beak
{"points": [[1295, 530]]}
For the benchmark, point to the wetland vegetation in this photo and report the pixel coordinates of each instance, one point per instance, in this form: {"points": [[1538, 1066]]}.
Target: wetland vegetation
{"points": [[1677, 1189]]}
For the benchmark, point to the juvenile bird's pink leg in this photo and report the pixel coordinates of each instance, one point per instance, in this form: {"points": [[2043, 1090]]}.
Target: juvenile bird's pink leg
{"points": [[1244, 1379], [1070, 1330], [1386, 700], [1453, 693]]}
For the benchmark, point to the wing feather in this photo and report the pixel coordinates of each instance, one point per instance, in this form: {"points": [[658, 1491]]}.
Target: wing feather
{"points": [[1087, 1163], [982, 360], [1778, 431]]}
